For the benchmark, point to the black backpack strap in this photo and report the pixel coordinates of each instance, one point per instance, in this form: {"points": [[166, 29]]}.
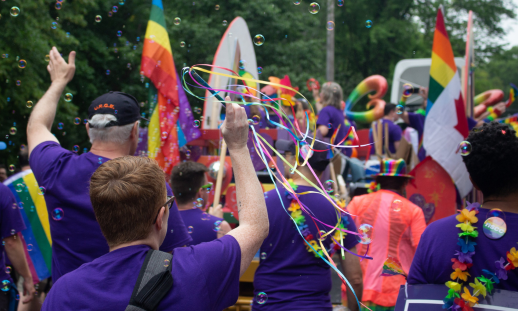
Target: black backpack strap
{"points": [[153, 283]]}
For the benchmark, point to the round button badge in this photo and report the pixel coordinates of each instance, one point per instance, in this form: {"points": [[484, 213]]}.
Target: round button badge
{"points": [[494, 228]]}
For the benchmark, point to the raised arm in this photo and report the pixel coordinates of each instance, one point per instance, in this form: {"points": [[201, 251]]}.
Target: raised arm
{"points": [[43, 114], [253, 217]]}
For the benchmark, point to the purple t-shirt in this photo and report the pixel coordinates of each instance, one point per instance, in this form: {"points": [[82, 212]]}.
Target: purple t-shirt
{"points": [[332, 118], [394, 134], [202, 226], [11, 223], [416, 121], [292, 277], [76, 236], [205, 276], [432, 261]]}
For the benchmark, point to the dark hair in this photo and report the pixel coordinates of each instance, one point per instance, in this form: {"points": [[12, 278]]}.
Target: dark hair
{"points": [[186, 180], [389, 107], [23, 157], [492, 162], [127, 194], [391, 182]]}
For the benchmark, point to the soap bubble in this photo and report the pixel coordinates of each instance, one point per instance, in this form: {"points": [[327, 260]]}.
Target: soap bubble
{"points": [[54, 25], [12, 131], [368, 23], [121, 2], [340, 2], [110, 14], [263, 255], [296, 2], [261, 298], [167, 262], [196, 123], [256, 119], [314, 8], [216, 7], [6, 284], [98, 18], [60, 125], [189, 229], [13, 232], [177, 21], [42, 190], [18, 82], [100, 160], [329, 186], [22, 63], [164, 135], [182, 44], [19, 187], [115, 9], [365, 231], [259, 70], [108, 72], [330, 25], [217, 225], [119, 33], [242, 64], [224, 23], [47, 58], [77, 121], [197, 110], [11, 168], [400, 109], [396, 205], [199, 202], [407, 89], [30, 247], [465, 148], [75, 148], [57, 214], [259, 40], [330, 125], [8, 270], [68, 97], [15, 11]]}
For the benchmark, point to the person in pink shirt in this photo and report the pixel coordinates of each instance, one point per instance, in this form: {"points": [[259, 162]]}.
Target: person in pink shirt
{"points": [[397, 225]]}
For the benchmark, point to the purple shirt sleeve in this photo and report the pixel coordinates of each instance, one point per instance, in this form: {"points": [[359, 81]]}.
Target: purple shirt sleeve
{"points": [[45, 160], [220, 263], [416, 121], [324, 118], [418, 269], [471, 123], [11, 221], [177, 235]]}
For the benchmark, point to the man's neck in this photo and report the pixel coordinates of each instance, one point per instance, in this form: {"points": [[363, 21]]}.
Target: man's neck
{"points": [[26, 168], [185, 207], [301, 181], [110, 150], [507, 203], [387, 118], [147, 241]]}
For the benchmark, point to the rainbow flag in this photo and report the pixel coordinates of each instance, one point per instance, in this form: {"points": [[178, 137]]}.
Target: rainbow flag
{"points": [[446, 124], [34, 213], [171, 112]]}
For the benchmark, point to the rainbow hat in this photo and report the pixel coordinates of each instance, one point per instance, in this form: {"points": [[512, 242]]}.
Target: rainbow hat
{"points": [[395, 168]]}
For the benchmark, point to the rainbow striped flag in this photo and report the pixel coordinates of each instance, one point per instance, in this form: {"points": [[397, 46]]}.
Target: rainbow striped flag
{"points": [[172, 114], [446, 124], [36, 238]]}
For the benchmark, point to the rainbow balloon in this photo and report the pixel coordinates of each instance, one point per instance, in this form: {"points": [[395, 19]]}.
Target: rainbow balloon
{"points": [[373, 83], [485, 100]]}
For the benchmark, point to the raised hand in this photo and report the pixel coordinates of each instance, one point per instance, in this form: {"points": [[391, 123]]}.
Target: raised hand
{"points": [[58, 68], [235, 126]]}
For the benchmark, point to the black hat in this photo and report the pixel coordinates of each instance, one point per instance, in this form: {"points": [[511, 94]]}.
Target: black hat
{"points": [[318, 159], [123, 106]]}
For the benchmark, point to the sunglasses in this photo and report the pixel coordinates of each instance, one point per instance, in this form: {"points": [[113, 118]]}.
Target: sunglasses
{"points": [[167, 205], [207, 186]]}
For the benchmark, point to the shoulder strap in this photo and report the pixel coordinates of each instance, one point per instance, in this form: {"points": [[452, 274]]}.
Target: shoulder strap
{"points": [[153, 283]]}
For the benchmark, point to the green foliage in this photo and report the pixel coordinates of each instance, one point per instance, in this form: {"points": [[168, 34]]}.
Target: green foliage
{"points": [[295, 45]]}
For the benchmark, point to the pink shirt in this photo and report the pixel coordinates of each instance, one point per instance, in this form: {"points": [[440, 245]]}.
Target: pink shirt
{"points": [[395, 233]]}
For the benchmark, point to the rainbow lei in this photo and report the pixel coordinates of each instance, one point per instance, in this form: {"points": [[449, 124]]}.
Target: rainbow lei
{"points": [[464, 301], [300, 221]]}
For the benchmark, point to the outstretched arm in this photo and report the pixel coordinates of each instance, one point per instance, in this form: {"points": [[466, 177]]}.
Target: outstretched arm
{"points": [[43, 114], [253, 216]]}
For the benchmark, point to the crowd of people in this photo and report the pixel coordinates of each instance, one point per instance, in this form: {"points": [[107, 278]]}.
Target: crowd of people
{"points": [[122, 216]]}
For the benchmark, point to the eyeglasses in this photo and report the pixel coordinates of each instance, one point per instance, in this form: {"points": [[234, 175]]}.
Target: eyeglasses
{"points": [[167, 204], [207, 186]]}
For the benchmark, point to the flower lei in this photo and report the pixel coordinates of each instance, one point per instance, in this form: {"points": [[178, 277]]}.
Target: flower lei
{"points": [[456, 300], [300, 221]]}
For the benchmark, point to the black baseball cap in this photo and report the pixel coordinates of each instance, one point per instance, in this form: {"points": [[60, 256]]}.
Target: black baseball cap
{"points": [[123, 106], [318, 159]]}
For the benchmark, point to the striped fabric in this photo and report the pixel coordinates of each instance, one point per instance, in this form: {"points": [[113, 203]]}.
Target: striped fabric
{"points": [[158, 65], [34, 213], [395, 233]]}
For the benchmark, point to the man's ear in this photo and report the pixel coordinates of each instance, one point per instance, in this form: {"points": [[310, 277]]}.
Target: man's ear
{"points": [[474, 184], [134, 131], [160, 218], [87, 125]]}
